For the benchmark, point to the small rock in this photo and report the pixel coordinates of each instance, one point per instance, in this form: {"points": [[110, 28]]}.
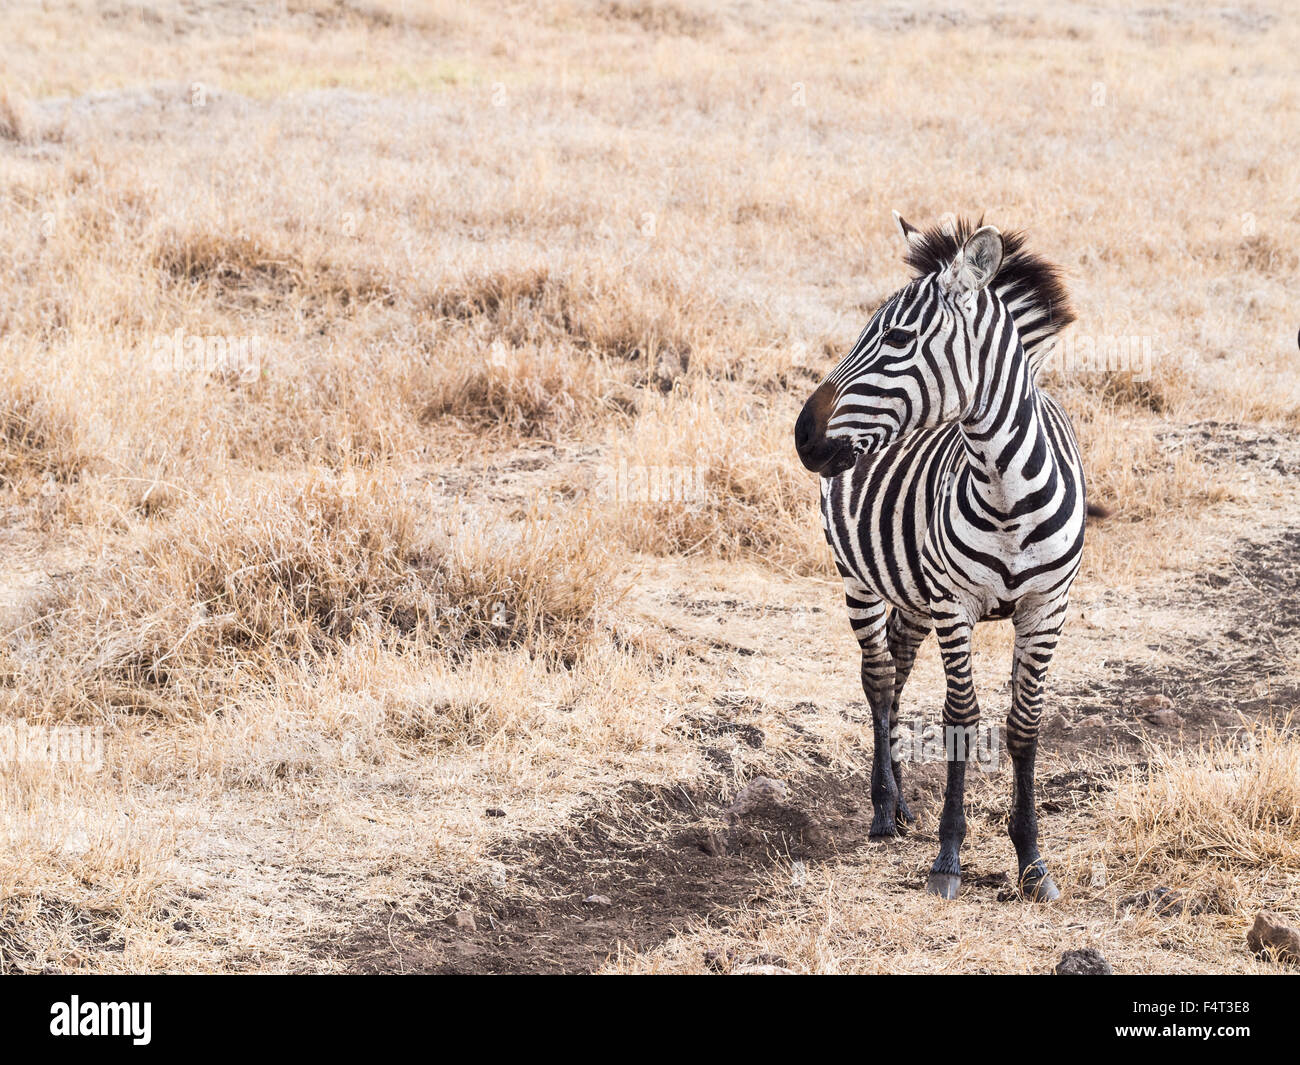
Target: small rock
{"points": [[495, 811], [463, 921], [1151, 703], [1272, 937], [1165, 718], [598, 900], [1091, 721], [1162, 901], [760, 791], [761, 970], [714, 844], [719, 961], [1056, 725], [1083, 962]]}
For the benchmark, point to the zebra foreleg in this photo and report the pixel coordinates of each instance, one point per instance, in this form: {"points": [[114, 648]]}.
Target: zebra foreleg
{"points": [[867, 616], [1035, 642], [906, 634], [960, 718]]}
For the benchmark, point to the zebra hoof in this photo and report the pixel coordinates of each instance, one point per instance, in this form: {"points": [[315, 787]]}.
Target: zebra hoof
{"points": [[944, 885], [905, 816], [883, 828], [1039, 889]]}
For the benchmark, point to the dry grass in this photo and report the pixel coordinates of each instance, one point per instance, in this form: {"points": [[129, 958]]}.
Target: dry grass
{"points": [[239, 583], [718, 480], [535, 302], [519, 391], [15, 117], [40, 437], [1227, 811]]}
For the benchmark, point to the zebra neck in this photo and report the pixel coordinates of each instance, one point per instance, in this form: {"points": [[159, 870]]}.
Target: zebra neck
{"points": [[1006, 447]]}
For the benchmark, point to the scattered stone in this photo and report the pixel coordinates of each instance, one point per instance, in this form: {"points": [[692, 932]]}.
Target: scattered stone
{"points": [[1163, 901], [761, 970], [719, 961], [1056, 725], [1091, 721], [598, 900], [1151, 703], [463, 921], [1083, 962], [1165, 718], [1271, 937], [495, 811], [761, 791], [714, 844]]}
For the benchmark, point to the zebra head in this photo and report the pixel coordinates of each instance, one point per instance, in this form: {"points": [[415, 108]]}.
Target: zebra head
{"points": [[915, 365]]}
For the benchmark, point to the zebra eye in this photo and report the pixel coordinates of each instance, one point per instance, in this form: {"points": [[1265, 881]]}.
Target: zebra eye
{"points": [[898, 337]]}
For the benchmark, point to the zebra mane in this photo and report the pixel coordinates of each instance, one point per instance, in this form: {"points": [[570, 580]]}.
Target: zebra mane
{"points": [[1030, 287]]}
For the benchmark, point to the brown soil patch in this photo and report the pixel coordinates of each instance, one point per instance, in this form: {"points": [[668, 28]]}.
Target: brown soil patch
{"points": [[661, 857]]}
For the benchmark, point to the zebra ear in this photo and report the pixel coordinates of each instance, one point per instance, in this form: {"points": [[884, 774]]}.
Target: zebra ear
{"points": [[909, 232], [976, 264]]}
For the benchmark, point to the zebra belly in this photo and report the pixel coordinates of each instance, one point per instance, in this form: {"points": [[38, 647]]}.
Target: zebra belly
{"points": [[876, 515]]}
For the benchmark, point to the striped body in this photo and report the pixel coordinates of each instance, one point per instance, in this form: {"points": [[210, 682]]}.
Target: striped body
{"points": [[877, 518]]}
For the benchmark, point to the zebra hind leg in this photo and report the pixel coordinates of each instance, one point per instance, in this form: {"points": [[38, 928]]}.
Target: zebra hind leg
{"points": [[906, 634], [960, 720], [867, 616], [1035, 641]]}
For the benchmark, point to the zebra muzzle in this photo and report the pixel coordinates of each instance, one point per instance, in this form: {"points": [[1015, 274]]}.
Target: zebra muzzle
{"points": [[827, 456]]}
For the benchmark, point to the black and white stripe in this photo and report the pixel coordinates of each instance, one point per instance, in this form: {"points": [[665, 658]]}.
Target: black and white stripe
{"points": [[952, 493]]}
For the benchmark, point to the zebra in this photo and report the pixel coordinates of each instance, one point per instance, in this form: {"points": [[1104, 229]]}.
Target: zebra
{"points": [[952, 493]]}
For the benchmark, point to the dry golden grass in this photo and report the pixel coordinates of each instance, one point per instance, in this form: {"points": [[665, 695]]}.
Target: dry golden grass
{"points": [[739, 497], [15, 118], [39, 436], [535, 296], [239, 583], [1230, 808]]}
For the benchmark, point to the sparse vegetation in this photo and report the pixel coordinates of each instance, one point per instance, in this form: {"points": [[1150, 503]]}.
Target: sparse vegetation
{"points": [[1230, 807], [386, 443], [39, 436], [238, 584]]}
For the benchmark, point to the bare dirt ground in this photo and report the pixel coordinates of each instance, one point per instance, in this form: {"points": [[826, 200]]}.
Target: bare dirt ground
{"points": [[397, 488]]}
